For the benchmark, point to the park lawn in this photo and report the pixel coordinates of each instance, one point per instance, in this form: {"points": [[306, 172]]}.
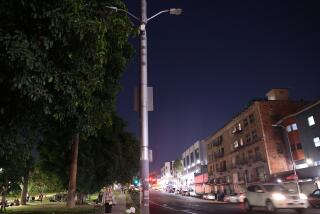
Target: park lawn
{"points": [[50, 208]]}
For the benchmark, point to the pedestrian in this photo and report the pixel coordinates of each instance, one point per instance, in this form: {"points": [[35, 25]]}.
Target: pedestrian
{"points": [[107, 199], [99, 199], [41, 197]]}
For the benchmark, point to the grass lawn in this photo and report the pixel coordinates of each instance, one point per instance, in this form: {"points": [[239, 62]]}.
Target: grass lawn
{"points": [[50, 208]]}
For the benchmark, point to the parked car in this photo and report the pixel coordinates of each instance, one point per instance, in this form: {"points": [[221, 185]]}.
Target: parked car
{"points": [[314, 198], [235, 198], [192, 193], [185, 192], [209, 196], [178, 191], [274, 196]]}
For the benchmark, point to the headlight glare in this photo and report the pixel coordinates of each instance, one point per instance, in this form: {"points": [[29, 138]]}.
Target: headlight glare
{"points": [[303, 196], [278, 196]]}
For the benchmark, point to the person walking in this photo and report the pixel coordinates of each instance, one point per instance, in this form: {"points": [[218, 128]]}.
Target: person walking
{"points": [[107, 199]]}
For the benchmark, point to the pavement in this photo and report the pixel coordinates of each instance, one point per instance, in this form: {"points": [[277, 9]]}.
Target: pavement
{"points": [[119, 206]]}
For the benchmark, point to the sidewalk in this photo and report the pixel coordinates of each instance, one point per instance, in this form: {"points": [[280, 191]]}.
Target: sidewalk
{"points": [[120, 207]]}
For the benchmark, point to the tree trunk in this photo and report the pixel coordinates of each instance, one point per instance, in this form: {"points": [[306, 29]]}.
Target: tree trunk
{"points": [[25, 184], [24, 190], [73, 172]]}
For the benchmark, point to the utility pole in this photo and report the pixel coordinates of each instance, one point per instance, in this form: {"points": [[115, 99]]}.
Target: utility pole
{"points": [[143, 105], [144, 137]]}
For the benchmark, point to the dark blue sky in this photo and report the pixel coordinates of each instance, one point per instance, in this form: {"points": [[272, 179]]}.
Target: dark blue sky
{"points": [[206, 64]]}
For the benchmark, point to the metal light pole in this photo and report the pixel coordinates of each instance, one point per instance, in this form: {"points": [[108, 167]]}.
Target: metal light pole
{"points": [[143, 105], [291, 156], [144, 133]]}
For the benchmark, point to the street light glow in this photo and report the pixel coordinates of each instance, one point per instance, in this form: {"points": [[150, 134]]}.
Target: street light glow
{"points": [[175, 11]]}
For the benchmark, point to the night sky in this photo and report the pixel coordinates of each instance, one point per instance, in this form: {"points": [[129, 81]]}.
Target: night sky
{"points": [[208, 63]]}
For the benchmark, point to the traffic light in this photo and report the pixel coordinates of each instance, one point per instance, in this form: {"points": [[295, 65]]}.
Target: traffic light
{"points": [[136, 181]]}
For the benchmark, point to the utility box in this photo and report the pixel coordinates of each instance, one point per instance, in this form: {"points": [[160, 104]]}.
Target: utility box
{"points": [[137, 99]]}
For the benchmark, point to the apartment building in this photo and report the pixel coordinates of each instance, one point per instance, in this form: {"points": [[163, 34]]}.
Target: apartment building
{"points": [[248, 149], [194, 159]]}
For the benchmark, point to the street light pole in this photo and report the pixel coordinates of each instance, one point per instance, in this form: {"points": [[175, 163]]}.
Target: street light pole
{"points": [[143, 105], [291, 156], [144, 146]]}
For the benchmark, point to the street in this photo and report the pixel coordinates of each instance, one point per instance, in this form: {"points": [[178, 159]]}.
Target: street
{"points": [[170, 203]]}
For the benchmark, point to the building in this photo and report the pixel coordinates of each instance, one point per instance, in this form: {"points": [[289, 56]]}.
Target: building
{"points": [[248, 149], [301, 130], [167, 169], [194, 159], [167, 178]]}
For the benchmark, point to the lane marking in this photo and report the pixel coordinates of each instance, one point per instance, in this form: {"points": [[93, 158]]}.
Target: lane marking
{"points": [[170, 208]]}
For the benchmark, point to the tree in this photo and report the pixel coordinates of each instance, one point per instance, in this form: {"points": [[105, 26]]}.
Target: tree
{"points": [[177, 166], [65, 58], [41, 181], [111, 155]]}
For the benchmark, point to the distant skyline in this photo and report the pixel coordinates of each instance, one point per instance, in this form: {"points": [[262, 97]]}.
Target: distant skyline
{"points": [[208, 63]]}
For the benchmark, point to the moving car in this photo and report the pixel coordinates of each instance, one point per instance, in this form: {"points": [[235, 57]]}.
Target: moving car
{"points": [[274, 196], [209, 196], [314, 198]]}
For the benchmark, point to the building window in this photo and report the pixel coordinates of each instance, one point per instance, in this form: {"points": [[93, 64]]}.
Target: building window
{"points": [[311, 121], [197, 154], [250, 154], [221, 138], [251, 118], [241, 142], [316, 141], [248, 138], [254, 135], [245, 122], [257, 152], [192, 157], [299, 146], [235, 144], [294, 127], [288, 128]]}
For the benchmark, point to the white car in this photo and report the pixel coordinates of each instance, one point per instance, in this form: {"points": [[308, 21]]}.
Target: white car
{"points": [[208, 196], [274, 196], [235, 198], [192, 193]]}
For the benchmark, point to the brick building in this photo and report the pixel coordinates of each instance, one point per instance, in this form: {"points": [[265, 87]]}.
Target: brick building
{"points": [[248, 149]]}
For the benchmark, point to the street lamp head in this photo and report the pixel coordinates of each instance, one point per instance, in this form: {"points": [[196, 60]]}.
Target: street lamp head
{"points": [[175, 11], [112, 8]]}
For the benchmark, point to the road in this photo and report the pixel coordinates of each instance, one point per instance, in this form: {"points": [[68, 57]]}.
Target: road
{"points": [[165, 203]]}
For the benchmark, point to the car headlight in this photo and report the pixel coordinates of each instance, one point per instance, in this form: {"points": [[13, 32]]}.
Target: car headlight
{"points": [[303, 196], [278, 196]]}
